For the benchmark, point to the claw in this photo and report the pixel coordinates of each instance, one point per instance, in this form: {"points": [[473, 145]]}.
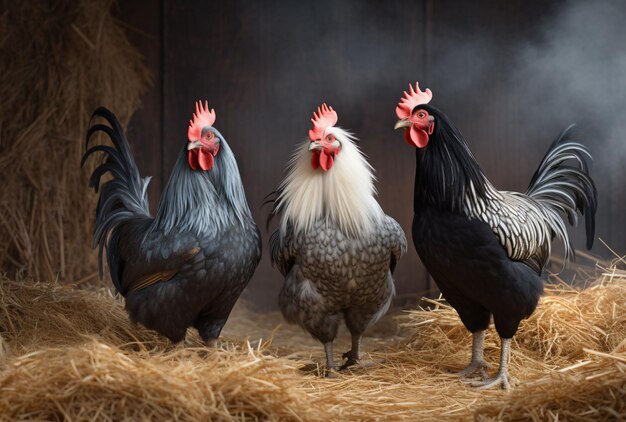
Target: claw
{"points": [[473, 367], [351, 360], [502, 377], [501, 380]]}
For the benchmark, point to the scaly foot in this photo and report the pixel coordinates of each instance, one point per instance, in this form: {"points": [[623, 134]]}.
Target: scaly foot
{"points": [[502, 377], [330, 364], [501, 380], [478, 365]]}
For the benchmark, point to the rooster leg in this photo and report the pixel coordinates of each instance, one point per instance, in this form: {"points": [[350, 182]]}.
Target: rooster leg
{"points": [[353, 355], [330, 363], [478, 363], [211, 343], [502, 377]]}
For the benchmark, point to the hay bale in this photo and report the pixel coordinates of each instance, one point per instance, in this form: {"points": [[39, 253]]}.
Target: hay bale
{"points": [[4, 351], [98, 381], [59, 60], [36, 315], [73, 355]]}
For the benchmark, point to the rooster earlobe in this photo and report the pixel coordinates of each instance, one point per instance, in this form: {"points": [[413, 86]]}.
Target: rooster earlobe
{"points": [[418, 137]]}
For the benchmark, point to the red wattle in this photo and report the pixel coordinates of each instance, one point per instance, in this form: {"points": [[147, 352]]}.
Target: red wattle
{"points": [[326, 160], [407, 136], [315, 160], [205, 159], [323, 158], [418, 137], [192, 159]]}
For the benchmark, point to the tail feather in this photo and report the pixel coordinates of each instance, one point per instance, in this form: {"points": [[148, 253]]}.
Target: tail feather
{"points": [[115, 132], [124, 196], [562, 183], [270, 199]]}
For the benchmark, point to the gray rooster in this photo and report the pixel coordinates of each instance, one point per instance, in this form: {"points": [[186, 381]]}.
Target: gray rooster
{"points": [[188, 265], [335, 246]]}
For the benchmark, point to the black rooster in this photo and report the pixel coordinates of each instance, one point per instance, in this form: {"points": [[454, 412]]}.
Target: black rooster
{"points": [[188, 265], [485, 248]]}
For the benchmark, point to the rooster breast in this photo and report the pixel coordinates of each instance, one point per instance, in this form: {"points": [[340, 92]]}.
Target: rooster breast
{"points": [[204, 287], [474, 272], [328, 273]]}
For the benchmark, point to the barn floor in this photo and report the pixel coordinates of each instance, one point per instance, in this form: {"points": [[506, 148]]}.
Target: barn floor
{"points": [[71, 354]]}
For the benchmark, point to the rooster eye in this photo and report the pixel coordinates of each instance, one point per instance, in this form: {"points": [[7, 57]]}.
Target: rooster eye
{"points": [[421, 115], [329, 138]]}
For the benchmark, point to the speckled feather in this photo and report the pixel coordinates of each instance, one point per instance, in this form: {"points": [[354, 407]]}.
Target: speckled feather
{"points": [[332, 272], [329, 275]]}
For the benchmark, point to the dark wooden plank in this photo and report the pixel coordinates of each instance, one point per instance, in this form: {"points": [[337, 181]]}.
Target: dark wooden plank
{"points": [[265, 66], [143, 22], [471, 63]]}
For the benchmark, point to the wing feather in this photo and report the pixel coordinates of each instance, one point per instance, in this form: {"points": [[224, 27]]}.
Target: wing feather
{"points": [[145, 261], [519, 222]]}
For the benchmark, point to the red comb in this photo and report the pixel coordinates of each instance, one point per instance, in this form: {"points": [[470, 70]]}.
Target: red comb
{"points": [[324, 118], [202, 118], [411, 99]]}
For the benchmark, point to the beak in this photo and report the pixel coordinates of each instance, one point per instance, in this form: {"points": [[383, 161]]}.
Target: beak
{"points": [[402, 123], [193, 145], [315, 146]]}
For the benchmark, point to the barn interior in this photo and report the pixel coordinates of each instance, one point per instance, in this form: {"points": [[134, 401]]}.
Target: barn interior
{"points": [[511, 75]]}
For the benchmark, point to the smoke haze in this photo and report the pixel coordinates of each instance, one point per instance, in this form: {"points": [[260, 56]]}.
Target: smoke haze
{"points": [[511, 88]]}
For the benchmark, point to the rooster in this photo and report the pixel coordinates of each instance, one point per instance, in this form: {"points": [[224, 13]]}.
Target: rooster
{"points": [[334, 245], [485, 248], [187, 265]]}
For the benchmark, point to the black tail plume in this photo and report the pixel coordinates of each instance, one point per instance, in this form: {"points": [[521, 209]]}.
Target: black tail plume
{"points": [[124, 196]]}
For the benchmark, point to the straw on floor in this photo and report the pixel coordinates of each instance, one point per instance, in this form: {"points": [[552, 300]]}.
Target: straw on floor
{"points": [[71, 354]]}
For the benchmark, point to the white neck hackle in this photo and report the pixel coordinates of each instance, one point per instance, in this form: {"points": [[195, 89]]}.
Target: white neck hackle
{"points": [[343, 195]]}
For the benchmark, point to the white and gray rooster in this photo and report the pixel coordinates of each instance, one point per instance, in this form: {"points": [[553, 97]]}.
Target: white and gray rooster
{"points": [[334, 245]]}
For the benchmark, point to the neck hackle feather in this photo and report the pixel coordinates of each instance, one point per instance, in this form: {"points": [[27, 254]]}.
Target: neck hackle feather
{"points": [[343, 196]]}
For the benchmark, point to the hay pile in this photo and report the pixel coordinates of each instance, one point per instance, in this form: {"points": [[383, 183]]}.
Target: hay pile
{"points": [[72, 355], [59, 60]]}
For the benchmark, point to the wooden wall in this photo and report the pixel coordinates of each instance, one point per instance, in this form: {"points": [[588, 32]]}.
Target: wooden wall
{"points": [[265, 65]]}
